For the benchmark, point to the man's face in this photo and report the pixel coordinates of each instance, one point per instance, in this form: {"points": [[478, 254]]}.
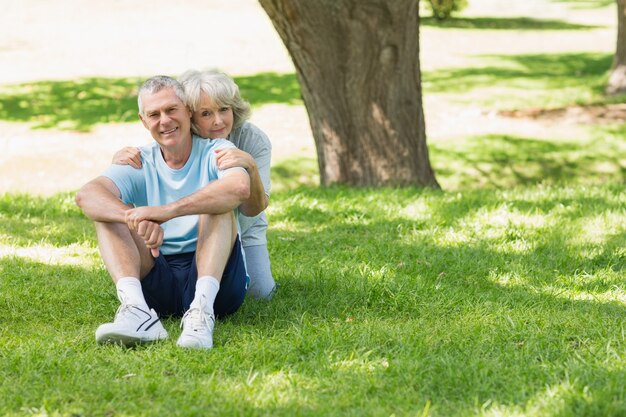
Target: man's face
{"points": [[166, 117], [211, 121]]}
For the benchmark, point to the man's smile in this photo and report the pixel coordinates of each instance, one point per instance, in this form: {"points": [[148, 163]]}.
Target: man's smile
{"points": [[167, 132]]}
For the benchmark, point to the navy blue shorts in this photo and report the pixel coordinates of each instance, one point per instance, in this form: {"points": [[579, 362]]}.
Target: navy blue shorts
{"points": [[169, 288]]}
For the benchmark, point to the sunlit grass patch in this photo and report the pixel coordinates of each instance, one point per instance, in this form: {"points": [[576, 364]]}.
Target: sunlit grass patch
{"points": [[73, 254]]}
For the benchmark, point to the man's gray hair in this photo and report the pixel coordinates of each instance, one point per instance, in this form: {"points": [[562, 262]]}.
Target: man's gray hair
{"points": [[157, 83]]}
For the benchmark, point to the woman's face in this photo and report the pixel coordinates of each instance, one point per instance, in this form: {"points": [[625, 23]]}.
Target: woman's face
{"points": [[211, 121]]}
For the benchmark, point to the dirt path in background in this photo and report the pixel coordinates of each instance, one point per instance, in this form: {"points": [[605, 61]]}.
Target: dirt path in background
{"points": [[51, 40], [592, 114]]}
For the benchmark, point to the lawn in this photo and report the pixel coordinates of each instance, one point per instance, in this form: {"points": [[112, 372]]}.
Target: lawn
{"points": [[502, 295], [492, 301]]}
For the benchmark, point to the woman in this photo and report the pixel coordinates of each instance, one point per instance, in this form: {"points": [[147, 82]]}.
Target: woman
{"points": [[220, 112]]}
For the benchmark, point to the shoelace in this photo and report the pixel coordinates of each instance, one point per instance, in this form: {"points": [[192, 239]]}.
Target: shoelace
{"points": [[124, 310], [197, 319]]}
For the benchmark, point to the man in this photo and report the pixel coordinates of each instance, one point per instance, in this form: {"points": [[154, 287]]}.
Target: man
{"points": [[167, 232]]}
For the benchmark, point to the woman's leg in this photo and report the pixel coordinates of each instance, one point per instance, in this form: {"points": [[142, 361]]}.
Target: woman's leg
{"points": [[262, 283]]}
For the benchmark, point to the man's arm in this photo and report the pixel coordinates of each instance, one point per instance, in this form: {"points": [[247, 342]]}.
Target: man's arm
{"points": [[258, 200], [218, 197], [100, 201], [226, 158]]}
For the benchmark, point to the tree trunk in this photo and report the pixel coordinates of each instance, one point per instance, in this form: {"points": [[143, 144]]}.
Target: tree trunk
{"points": [[617, 79], [358, 66]]}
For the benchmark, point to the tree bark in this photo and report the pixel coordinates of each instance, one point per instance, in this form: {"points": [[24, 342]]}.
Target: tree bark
{"points": [[617, 78], [358, 66]]}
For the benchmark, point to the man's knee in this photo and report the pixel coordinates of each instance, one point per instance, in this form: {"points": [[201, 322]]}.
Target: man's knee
{"points": [[119, 247], [224, 217], [217, 223], [220, 229], [105, 229]]}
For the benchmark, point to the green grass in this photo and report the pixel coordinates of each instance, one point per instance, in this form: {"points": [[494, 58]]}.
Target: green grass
{"points": [[587, 4], [499, 161], [502, 161], [81, 104], [503, 23], [502, 296], [526, 81], [499, 82]]}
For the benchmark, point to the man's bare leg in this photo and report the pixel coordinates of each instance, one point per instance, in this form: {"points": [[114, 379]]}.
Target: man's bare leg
{"points": [[127, 259], [124, 253], [216, 237]]}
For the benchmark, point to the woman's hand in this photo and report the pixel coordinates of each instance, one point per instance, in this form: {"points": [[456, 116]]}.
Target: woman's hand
{"points": [[233, 157], [128, 156]]}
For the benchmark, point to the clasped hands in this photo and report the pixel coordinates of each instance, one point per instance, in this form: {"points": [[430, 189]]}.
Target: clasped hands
{"points": [[146, 222]]}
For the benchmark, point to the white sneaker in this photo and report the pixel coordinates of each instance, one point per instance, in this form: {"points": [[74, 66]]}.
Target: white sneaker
{"points": [[132, 325], [197, 329]]}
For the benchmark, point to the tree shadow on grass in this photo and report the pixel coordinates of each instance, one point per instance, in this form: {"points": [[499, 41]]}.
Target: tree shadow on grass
{"points": [[464, 312], [270, 87], [414, 330], [350, 240], [26, 220], [293, 172], [504, 23], [82, 104], [555, 71], [587, 4], [374, 299], [507, 161], [71, 105], [500, 161]]}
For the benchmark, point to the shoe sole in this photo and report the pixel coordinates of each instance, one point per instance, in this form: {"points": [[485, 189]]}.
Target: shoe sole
{"points": [[128, 340], [198, 346]]}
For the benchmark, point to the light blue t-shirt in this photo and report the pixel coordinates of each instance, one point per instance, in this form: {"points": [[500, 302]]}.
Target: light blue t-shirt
{"points": [[156, 184]]}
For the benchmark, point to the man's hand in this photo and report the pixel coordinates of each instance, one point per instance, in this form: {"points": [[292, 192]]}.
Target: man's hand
{"points": [[152, 234], [134, 216], [233, 157], [128, 156]]}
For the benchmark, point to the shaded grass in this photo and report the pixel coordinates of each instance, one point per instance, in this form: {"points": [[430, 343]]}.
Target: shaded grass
{"points": [[26, 220], [403, 301], [81, 104], [500, 161], [294, 172], [71, 105], [502, 298], [587, 4], [503, 23], [503, 161], [501, 82], [523, 81], [269, 87]]}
